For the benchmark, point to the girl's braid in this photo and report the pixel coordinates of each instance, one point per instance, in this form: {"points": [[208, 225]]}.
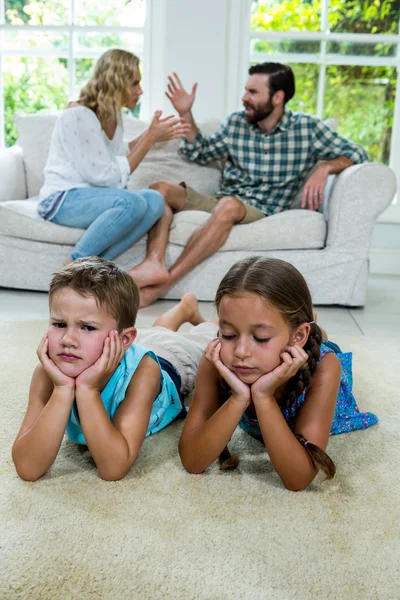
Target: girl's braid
{"points": [[299, 382]]}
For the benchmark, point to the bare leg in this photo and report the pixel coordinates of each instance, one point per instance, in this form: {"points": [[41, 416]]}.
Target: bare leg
{"points": [[153, 271], [187, 311], [204, 242]]}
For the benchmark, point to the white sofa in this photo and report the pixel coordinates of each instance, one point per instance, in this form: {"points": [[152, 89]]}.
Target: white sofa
{"points": [[330, 247]]}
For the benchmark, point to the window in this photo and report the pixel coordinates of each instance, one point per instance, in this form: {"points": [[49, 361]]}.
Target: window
{"points": [[344, 54], [48, 48]]}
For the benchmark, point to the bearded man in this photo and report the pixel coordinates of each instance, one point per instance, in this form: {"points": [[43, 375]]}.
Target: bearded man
{"points": [[268, 151]]}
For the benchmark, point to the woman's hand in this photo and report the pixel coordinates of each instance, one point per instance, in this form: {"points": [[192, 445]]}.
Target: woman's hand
{"points": [[96, 376], [239, 389], [293, 359], [169, 128], [181, 100]]}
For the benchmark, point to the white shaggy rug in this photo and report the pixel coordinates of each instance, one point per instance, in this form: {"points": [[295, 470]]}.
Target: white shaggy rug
{"points": [[162, 533]]}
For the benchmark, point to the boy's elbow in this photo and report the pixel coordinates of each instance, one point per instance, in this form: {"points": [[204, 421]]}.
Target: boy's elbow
{"points": [[28, 474]]}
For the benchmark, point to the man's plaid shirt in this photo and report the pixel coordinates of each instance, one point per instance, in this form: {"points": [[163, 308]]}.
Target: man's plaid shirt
{"points": [[267, 169]]}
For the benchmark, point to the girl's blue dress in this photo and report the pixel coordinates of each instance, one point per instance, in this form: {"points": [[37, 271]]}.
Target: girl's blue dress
{"points": [[347, 414]]}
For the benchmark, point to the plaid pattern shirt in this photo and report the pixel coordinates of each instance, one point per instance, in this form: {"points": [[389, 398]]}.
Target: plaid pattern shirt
{"points": [[266, 170]]}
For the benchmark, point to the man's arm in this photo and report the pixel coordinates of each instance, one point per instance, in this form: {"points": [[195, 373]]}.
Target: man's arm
{"points": [[313, 193], [337, 154], [182, 101]]}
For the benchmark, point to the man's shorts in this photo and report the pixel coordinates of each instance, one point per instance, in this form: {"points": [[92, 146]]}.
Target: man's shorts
{"points": [[182, 349], [197, 201]]}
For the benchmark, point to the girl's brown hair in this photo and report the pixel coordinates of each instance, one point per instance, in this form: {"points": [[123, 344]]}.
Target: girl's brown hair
{"points": [[106, 92], [286, 289]]}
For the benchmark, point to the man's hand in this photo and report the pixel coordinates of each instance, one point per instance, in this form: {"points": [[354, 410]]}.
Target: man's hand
{"points": [[293, 359], [57, 377], [313, 193], [96, 376], [169, 128], [239, 389], [181, 100]]}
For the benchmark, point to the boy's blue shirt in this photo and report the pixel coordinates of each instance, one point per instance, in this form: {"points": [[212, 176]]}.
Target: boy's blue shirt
{"points": [[166, 406]]}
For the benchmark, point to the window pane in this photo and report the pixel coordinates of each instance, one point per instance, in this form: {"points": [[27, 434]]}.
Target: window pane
{"points": [[282, 47], [128, 41], [128, 13], [30, 85], [306, 96], [32, 12], [362, 100], [364, 16], [287, 15], [22, 40], [359, 49]]}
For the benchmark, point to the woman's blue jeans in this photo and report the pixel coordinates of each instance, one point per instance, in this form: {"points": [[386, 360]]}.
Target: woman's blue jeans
{"points": [[114, 219]]}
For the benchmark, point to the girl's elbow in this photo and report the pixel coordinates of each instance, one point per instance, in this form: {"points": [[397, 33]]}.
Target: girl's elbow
{"points": [[190, 466]]}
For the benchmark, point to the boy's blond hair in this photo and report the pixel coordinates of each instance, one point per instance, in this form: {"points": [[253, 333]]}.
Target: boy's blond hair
{"points": [[112, 287]]}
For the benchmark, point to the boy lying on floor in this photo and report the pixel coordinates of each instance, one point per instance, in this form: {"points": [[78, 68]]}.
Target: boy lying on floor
{"points": [[96, 384]]}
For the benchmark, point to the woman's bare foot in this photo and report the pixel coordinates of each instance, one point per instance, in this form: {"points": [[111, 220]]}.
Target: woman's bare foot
{"points": [[151, 272], [191, 307], [151, 293]]}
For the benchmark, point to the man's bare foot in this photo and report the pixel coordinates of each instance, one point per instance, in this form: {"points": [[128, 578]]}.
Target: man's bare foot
{"points": [[151, 293], [149, 273], [191, 307]]}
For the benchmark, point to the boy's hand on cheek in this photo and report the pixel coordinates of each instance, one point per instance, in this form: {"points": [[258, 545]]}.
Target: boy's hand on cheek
{"points": [[96, 376], [293, 358], [239, 389], [57, 377]]}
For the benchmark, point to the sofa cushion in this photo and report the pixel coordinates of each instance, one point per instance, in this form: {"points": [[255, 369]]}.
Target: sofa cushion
{"points": [[34, 136], [19, 218], [162, 162], [12, 184], [288, 230]]}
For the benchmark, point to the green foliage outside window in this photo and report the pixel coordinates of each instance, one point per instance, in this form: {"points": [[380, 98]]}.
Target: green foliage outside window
{"points": [[32, 84], [361, 98]]}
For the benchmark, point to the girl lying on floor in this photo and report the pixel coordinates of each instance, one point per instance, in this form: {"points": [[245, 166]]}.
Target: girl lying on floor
{"points": [[270, 372]]}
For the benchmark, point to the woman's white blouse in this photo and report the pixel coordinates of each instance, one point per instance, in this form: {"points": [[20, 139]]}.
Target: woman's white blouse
{"points": [[81, 154]]}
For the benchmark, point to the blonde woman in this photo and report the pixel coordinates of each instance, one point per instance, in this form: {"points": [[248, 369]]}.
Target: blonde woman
{"points": [[89, 163]]}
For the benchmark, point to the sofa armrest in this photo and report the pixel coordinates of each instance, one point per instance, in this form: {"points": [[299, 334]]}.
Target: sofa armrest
{"points": [[12, 174], [359, 195]]}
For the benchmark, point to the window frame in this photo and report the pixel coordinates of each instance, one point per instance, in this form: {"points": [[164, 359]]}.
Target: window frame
{"points": [[73, 53], [241, 57]]}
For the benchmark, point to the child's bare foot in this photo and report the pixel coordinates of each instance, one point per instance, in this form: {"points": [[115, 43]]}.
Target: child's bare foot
{"points": [[191, 306], [149, 273]]}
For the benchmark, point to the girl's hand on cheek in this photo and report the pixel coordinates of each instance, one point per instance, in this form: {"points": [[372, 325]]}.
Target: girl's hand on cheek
{"points": [[57, 377], [293, 358], [96, 376], [239, 389]]}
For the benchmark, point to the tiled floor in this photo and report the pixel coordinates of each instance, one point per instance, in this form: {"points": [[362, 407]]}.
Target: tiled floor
{"points": [[381, 315]]}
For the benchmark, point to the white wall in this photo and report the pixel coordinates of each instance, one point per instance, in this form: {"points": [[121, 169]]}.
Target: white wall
{"points": [[201, 42]]}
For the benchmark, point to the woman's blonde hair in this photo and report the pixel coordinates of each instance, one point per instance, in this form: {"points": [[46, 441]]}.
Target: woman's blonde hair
{"points": [[106, 92]]}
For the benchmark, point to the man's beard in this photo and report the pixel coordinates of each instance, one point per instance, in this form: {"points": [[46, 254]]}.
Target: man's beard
{"points": [[261, 112]]}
